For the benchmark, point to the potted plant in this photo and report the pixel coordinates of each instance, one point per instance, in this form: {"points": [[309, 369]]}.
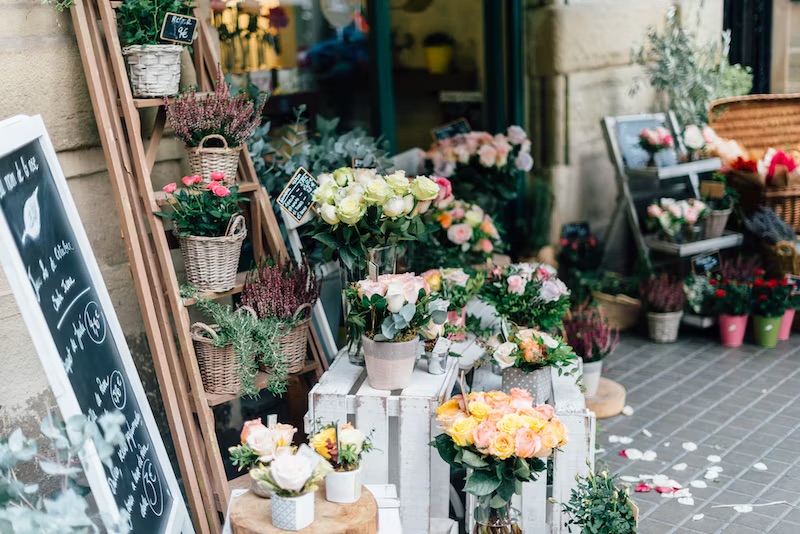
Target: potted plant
{"points": [[719, 209], [664, 299], [653, 141], [732, 303], [258, 446], [457, 287], [343, 446], [292, 478], [231, 349], [154, 67], [500, 453], [387, 315], [525, 358], [596, 505], [616, 296], [287, 292], [778, 242], [697, 139], [792, 303], [527, 295], [215, 127], [210, 230], [677, 221], [438, 52], [587, 331], [699, 295], [770, 300]]}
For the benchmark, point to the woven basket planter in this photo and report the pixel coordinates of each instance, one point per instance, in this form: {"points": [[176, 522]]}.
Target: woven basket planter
{"points": [[781, 259], [294, 344], [212, 262], [663, 327], [154, 70], [715, 223], [217, 364], [204, 160], [622, 311]]}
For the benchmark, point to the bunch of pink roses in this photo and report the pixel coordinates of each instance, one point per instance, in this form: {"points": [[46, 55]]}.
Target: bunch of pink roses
{"points": [[654, 140], [675, 218]]}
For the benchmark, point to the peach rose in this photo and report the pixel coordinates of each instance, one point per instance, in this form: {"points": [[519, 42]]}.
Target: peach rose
{"points": [[482, 435], [459, 233], [527, 443], [249, 426], [502, 445], [521, 399], [550, 436], [494, 415], [546, 411], [485, 246]]}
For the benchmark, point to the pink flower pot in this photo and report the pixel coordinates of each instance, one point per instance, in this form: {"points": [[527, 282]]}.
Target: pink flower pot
{"points": [[732, 329], [786, 325], [457, 319]]}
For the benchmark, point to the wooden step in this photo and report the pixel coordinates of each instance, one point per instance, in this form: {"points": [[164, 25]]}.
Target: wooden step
{"points": [[162, 198], [240, 278], [141, 103], [261, 383]]}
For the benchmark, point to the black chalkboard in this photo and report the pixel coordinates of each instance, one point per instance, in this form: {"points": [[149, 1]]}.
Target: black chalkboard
{"points": [[296, 197], [575, 230], [451, 129], [635, 156], [706, 263], [179, 29], [66, 296]]}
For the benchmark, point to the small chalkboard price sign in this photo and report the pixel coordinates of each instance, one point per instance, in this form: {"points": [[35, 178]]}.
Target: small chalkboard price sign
{"points": [[794, 282], [296, 197], [575, 230], [65, 304], [706, 263], [179, 29], [451, 129]]}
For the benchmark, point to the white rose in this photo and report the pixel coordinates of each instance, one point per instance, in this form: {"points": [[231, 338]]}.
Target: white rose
{"points": [[325, 194], [377, 192], [502, 355], [394, 207], [552, 290], [263, 441], [364, 176], [693, 137], [328, 214], [324, 179], [291, 472], [473, 218], [549, 341], [285, 433], [343, 176], [355, 190], [408, 204], [398, 182], [352, 437], [350, 210], [395, 300], [423, 188]]}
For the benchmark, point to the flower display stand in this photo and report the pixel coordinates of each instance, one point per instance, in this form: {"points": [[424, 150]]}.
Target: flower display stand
{"points": [[609, 399], [403, 424]]}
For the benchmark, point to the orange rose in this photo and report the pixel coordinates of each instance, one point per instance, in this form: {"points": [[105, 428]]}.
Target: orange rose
{"points": [[495, 415], [521, 399], [248, 426], [528, 443], [501, 445], [445, 219]]}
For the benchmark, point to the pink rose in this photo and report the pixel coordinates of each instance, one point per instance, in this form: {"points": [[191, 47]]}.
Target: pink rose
{"points": [[666, 140], [546, 411], [445, 187], [462, 154], [501, 145], [675, 210], [197, 178], [516, 135], [523, 162], [170, 188], [527, 443], [482, 433], [692, 215], [221, 191], [516, 284], [459, 233], [457, 213], [521, 399], [368, 288], [249, 426], [187, 181], [654, 210], [552, 290], [487, 155], [709, 135], [218, 176], [421, 208], [485, 246]]}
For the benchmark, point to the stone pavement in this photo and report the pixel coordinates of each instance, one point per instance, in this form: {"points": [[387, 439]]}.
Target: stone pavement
{"points": [[741, 405]]}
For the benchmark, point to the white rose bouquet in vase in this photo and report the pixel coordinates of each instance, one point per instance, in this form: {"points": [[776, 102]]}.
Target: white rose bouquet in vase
{"points": [[258, 447], [343, 446]]}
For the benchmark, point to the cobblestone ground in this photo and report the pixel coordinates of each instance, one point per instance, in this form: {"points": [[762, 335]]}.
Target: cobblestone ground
{"points": [[740, 407]]}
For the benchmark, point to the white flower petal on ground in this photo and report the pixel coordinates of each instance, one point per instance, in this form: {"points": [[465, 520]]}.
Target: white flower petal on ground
{"points": [[627, 410], [698, 484], [625, 440], [743, 508], [613, 439], [628, 478], [688, 501], [646, 477], [667, 444], [661, 480], [689, 446], [668, 495], [711, 475], [714, 459], [697, 517], [649, 456], [647, 433], [760, 466], [716, 468], [599, 450], [633, 454], [679, 467]]}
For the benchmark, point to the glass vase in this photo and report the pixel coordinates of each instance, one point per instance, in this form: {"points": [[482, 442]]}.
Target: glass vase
{"points": [[497, 521]]}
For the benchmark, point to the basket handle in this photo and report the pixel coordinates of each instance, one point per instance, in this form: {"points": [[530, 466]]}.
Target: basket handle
{"points": [[785, 248], [300, 309], [211, 136], [201, 329], [247, 309], [236, 225]]}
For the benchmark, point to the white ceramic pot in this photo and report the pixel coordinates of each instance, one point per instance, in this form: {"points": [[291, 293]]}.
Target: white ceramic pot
{"points": [[292, 513], [539, 382], [664, 326], [591, 377], [390, 365], [343, 486]]}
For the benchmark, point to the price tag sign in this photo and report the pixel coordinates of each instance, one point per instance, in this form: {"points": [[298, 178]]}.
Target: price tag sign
{"points": [[296, 197], [794, 281], [575, 230], [178, 29], [442, 345], [712, 189], [451, 129], [706, 263]]}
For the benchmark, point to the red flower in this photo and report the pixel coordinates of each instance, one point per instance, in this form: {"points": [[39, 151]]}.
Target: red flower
{"points": [[563, 242], [720, 293], [759, 272], [785, 282], [759, 282], [724, 280], [772, 284], [575, 246], [713, 281], [744, 165], [762, 297], [592, 241]]}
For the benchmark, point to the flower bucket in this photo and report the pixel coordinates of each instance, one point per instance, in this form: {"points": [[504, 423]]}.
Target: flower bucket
{"points": [[343, 486], [766, 330], [204, 160], [715, 223], [786, 325], [154, 70], [539, 382], [457, 319], [217, 364], [732, 329], [591, 377], [663, 327], [292, 513], [294, 344], [389, 365], [212, 262], [438, 58]]}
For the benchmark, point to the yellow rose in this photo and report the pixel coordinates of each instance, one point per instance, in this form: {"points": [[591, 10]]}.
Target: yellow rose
{"points": [[534, 423], [350, 211], [461, 431], [434, 279], [498, 396], [473, 219], [502, 445], [423, 188], [399, 183], [377, 192], [448, 413], [479, 410], [553, 434], [510, 423], [559, 430], [323, 440]]}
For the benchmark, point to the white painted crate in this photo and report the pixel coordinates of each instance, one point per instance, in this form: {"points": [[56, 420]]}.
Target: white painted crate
{"points": [[403, 424]]}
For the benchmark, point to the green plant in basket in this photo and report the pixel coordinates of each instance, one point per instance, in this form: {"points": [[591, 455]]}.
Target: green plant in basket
{"points": [[199, 211], [139, 21]]}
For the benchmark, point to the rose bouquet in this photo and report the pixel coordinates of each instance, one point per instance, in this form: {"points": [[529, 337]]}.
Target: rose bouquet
{"points": [[653, 141], [259, 443], [482, 166], [361, 210], [530, 350], [502, 440], [677, 220], [202, 211], [527, 295], [343, 447]]}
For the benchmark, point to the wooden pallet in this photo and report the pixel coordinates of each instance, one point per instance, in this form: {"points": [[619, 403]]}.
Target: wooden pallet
{"points": [[166, 314]]}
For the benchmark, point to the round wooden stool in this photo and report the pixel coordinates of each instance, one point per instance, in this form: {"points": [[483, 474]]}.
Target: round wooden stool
{"points": [[251, 514], [609, 399]]}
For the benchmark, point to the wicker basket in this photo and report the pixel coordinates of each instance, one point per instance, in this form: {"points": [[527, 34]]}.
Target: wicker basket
{"points": [[758, 122], [715, 222], [781, 259], [204, 160], [154, 70], [622, 311], [212, 262], [294, 344], [217, 364]]}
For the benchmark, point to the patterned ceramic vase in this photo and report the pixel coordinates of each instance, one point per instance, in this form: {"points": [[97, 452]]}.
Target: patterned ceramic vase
{"points": [[539, 382], [292, 513]]}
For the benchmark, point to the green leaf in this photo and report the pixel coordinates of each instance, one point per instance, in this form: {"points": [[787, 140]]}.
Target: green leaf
{"points": [[521, 469], [481, 483], [446, 448], [473, 460]]}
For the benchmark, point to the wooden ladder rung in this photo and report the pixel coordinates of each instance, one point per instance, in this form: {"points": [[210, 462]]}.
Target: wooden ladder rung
{"points": [[260, 382], [162, 198], [240, 278], [156, 102]]}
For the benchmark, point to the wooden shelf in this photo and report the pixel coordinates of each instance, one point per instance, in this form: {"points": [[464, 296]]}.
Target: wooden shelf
{"points": [[162, 198], [727, 240], [240, 278], [142, 103], [678, 170], [261, 383]]}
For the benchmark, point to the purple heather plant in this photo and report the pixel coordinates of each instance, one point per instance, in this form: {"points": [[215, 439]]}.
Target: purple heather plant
{"points": [[276, 289], [663, 294], [588, 333], [234, 117]]}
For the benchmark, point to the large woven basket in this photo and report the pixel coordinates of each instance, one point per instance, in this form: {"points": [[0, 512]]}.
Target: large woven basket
{"points": [[217, 364], [294, 344], [154, 70], [781, 259], [758, 122], [623, 312], [204, 160], [212, 262]]}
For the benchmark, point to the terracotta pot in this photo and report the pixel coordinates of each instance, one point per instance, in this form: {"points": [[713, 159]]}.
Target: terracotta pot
{"points": [[732, 329], [390, 365], [786, 325]]}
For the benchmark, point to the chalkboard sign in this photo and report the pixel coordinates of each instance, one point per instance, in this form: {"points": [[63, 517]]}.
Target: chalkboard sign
{"points": [[633, 155], [179, 29], [55, 278], [296, 196], [451, 129], [794, 281], [706, 263], [575, 230]]}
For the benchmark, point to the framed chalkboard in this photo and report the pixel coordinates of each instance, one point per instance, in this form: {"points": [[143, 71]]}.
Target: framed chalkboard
{"points": [[575, 230], [178, 29], [56, 281], [706, 263], [634, 156], [794, 281], [296, 197], [451, 129]]}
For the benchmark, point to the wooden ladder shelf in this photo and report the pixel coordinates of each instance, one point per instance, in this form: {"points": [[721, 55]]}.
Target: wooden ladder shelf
{"points": [[148, 244]]}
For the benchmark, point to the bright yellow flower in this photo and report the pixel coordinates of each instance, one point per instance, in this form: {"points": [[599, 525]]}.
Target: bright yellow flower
{"points": [[449, 412], [323, 440], [502, 445], [534, 423], [479, 410], [461, 431], [434, 279], [510, 423]]}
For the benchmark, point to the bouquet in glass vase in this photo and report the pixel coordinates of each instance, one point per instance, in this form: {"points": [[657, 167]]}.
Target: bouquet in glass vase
{"points": [[502, 440], [653, 141]]}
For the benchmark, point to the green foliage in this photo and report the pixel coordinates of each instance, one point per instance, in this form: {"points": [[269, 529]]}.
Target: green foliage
{"points": [[139, 21], [59, 5], [596, 506], [770, 297], [731, 297], [203, 212], [615, 284], [243, 457]]}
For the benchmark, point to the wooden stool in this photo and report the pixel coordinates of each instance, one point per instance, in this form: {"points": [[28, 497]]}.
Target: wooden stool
{"points": [[609, 399], [250, 514]]}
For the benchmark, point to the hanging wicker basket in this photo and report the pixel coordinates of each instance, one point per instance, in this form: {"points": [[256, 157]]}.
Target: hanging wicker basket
{"points": [[212, 262], [154, 70], [204, 160], [217, 364], [294, 344]]}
